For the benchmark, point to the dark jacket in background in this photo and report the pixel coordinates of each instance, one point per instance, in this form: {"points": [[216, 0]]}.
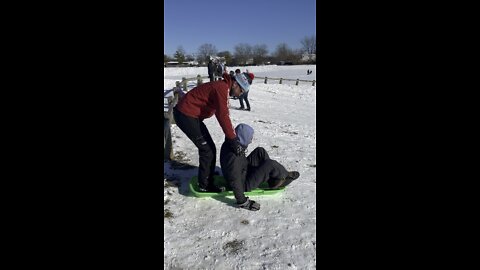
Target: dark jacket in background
{"points": [[211, 68], [219, 69]]}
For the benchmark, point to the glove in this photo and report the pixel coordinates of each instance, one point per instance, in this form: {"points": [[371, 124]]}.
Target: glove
{"points": [[237, 147], [250, 205]]}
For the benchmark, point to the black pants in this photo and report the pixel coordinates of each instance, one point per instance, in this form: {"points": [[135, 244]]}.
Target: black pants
{"points": [[198, 133], [244, 96], [262, 169], [211, 77]]}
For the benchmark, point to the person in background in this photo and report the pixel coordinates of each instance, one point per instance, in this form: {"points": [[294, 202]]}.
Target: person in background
{"points": [[244, 96], [203, 102], [219, 70], [245, 173], [211, 70], [237, 71]]}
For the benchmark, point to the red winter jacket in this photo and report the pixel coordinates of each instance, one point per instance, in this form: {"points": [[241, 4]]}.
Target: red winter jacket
{"points": [[207, 99]]}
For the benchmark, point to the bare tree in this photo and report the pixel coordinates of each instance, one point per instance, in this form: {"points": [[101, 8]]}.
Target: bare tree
{"points": [[259, 53], [309, 44], [227, 55], [242, 53], [283, 53], [180, 55], [189, 57], [205, 51], [296, 56]]}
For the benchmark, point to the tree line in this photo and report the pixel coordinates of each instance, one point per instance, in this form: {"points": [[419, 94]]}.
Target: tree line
{"points": [[246, 54]]}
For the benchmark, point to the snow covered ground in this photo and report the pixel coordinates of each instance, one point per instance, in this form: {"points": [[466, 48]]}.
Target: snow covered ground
{"points": [[212, 234]]}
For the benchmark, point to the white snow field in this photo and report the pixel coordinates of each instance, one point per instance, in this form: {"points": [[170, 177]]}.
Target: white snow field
{"points": [[207, 233]]}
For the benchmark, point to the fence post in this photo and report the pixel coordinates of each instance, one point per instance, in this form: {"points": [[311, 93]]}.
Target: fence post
{"points": [[199, 79], [167, 140], [170, 107], [184, 82], [297, 82], [172, 104], [281, 80], [265, 80], [313, 84]]}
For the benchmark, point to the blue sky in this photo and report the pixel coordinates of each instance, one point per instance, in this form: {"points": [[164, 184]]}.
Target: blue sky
{"points": [[191, 23]]}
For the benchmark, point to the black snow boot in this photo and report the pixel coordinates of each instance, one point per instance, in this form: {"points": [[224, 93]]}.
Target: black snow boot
{"points": [[278, 183]]}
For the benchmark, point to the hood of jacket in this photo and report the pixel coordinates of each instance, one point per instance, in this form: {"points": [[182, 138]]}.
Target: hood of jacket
{"points": [[244, 134]]}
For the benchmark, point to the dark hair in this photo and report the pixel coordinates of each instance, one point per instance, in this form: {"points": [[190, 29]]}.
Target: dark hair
{"points": [[238, 71]]}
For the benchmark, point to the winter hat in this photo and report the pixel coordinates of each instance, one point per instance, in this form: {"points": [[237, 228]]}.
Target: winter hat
{"points": [[249, 77], [243, 82], [244, 134]]}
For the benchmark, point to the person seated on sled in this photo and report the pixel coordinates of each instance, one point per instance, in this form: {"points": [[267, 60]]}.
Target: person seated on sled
{"points": [[245, 173]]}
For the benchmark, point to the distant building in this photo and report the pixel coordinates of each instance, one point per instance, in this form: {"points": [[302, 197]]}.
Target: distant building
{"points": [[192, 63], [281, 63], [185, 64], [218, 59], [249, 61], [308, 57]]}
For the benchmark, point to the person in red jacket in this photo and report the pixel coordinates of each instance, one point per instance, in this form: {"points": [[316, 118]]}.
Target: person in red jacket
{"points": [[244, 96], [203, 102]]}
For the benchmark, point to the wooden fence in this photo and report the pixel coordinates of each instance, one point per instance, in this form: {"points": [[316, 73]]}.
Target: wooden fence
{"points": [[170, 98], [200, 80], [283, 79]]}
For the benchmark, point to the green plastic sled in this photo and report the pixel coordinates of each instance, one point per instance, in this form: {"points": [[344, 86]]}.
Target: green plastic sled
{"points": [[262, 190]]}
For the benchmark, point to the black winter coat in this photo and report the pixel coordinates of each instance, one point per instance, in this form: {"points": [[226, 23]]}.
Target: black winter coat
{"points": [[211, 68], [234, 169]]}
